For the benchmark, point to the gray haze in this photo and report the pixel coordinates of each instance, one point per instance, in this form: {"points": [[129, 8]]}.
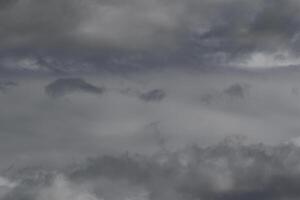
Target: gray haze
{"points": [[132, 110]]}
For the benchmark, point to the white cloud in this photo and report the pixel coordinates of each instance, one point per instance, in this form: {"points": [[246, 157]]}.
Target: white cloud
{"points": [[6, 186], [260, 60], [62, 189], [22, 63]]}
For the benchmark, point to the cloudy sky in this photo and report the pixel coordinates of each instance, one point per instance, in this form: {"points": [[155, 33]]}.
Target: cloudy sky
{"points": [[149, 99]]}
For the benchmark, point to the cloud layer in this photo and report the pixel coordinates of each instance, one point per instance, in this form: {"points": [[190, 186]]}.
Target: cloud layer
{"points": [[227, 170], [234, 32]]}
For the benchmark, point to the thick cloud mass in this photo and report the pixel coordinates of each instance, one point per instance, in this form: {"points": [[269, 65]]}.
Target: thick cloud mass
{"points": [[228, 170], [254, 33]]}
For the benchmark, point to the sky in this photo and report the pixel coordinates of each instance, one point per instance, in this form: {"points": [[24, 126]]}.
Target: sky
{"points": [[149, 99]]}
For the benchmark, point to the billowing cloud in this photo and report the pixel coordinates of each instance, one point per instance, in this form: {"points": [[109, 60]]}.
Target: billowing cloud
{"points": [[229, 169]]}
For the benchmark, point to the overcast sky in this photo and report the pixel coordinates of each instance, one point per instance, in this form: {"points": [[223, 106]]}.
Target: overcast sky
{"points": [[149, 99]]}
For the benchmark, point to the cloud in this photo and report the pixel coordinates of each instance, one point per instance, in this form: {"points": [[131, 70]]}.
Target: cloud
{"points": [[118, 146], [153, 95], [234, 91], [118, 123], [62, 189], [268, 60], [167, 31], [228, 169], [89, 23], [6, 85], [6, 186], [64, 86], [157, 139]]}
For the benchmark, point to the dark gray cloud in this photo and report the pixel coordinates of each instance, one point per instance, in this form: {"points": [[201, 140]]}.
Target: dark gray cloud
{"points": [[236, 90], [132, 33], [229, 169], [225, 171], [64, 86], [88, 23]]}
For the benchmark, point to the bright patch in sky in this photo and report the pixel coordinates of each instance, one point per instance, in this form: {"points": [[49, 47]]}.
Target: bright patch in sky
{"points": [[269, 60]]}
